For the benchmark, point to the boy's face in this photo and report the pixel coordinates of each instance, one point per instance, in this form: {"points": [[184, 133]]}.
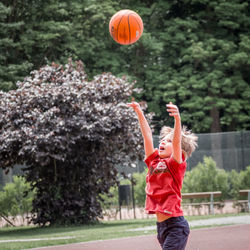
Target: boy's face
{"points": [[165, 147]]}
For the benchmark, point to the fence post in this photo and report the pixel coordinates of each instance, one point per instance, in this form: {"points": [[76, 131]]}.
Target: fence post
{"points": [[133, 196], [248, 196], [119, 202], [212, 203]]}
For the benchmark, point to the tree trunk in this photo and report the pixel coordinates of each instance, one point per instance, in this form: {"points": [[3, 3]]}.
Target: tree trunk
{"points": [[216, 145], [214, 114]]}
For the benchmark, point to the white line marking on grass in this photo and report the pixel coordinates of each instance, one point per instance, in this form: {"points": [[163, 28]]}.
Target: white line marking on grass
{"points": [[26, 240]]}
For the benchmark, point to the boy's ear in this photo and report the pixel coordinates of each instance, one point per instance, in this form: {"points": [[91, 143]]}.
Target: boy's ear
{"points": [[185, 155]]}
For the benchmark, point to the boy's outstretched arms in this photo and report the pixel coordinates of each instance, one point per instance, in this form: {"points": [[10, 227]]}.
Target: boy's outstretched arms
{"points": [[145, 129], [176, 143]]}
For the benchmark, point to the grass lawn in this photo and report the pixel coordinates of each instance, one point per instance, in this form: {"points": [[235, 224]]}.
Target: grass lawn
{"points": [[32, 236]]}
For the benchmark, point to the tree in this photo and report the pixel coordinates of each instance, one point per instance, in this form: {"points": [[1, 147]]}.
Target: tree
{"points": [[203, 64], [193, 53], [71, 134], [33, 33], [11, 60]]}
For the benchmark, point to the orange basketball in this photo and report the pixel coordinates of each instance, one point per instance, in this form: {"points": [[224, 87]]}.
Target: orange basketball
{"points": [[126, 27]]}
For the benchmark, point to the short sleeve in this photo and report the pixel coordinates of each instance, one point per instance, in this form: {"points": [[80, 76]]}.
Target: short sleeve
{"points": [[152, 157], [174, 164]]}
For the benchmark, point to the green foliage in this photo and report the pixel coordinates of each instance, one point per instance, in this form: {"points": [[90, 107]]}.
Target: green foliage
{"points": [[111, 199], [205, 61], [139, 188], [206, 177], [193, 53], [234, 180], [238, 181], [245, 178], [16, 198]]}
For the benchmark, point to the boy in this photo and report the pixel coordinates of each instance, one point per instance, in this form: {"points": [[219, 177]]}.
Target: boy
{"points": [[166, 169]]}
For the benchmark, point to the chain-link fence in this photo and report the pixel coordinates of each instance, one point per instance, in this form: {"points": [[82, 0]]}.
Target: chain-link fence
{"points": [[6, 177], [230, 150]]}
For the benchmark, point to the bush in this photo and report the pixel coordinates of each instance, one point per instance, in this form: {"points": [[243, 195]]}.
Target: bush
{"points": [[16, 198], [234, 183], [245, 178], [206, 177], [139, 188], [238, 181], [59, 124]]}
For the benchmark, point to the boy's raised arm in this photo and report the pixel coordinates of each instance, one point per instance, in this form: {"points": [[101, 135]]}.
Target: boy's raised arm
{"points": [[177, 151], [145, 129]]}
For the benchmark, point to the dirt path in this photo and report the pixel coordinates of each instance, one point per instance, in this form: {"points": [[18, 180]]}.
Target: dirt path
{"points": [[235, 237]]}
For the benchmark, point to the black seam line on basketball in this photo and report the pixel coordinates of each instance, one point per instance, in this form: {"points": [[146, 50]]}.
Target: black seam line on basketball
{"points": [[118, 27], [129, 29]]}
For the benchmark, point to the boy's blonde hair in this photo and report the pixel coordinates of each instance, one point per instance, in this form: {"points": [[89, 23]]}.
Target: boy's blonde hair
{"points": [[188, 139]]}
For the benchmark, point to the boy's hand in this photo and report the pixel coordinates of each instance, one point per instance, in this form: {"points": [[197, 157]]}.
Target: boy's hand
{"points": [[134, 105], [173, 110]]}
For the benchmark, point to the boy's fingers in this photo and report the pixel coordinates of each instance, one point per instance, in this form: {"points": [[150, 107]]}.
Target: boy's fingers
{"points": [[172, 110], [132, 105], [171, 106]]}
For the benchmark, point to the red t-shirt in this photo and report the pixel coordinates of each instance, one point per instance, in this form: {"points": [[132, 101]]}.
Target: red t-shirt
{"points": [[163, 185]]}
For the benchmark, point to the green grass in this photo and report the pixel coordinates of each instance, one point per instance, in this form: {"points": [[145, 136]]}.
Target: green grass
{"points": [[101, 231]]}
